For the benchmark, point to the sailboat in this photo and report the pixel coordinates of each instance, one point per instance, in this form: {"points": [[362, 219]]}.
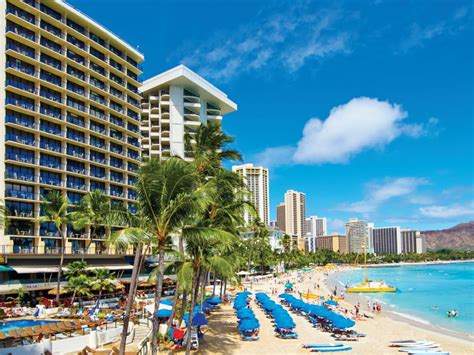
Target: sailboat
{"points": [[370, 285]]}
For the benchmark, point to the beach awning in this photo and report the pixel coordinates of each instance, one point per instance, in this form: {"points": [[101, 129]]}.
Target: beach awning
{"points": [[5, 268], [31, 269]]}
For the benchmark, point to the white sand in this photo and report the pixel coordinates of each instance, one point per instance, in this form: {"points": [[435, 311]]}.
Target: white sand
{"points": [[222, 336]]}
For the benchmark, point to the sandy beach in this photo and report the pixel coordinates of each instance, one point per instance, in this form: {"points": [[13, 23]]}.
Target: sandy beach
{"points": [[222, 336]]}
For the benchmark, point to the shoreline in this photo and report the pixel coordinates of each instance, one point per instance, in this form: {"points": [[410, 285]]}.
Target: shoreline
{"points": [[410, 263], [330, 280]]}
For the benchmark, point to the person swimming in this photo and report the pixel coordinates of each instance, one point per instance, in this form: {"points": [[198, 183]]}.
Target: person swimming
{"points": [[453, 313], [435, 307]]}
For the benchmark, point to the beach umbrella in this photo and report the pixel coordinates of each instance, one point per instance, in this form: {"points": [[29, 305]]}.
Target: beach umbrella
{"points": [[164, 313], [330, 303], [249, 324], [166, 302], [198, 319], [285, 323], [244, 293], [244, 311], [289, 285], [213, 300]]}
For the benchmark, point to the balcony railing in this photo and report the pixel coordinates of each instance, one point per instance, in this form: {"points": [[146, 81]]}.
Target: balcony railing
{"points": [[30, 70]]}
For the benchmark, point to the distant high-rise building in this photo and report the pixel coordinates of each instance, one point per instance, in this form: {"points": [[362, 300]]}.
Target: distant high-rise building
{"points": [[357, 233], [387, 240], [274, 224], [370, 239], [174, 103], [334, 242], [315, 226], [413, 241], [256, 180], [281, 217], [295, 215]]}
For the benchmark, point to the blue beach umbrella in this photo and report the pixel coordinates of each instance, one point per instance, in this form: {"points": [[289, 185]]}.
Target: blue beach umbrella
{"points": [[213, 300], [249, 324], [198, 319], [167, 302], [331, 302], [289, 285], [164, 313]]}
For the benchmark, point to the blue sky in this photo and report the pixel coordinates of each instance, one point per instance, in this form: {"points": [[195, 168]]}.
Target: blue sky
{"points": [[366, 106]]}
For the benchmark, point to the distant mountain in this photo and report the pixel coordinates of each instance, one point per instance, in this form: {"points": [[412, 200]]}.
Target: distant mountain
{"points": [[460, 236]]}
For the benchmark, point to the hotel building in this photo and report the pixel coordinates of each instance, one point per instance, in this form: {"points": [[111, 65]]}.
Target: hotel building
{"points": [[174, 103], [295, 216], [315, 227], [357, 233], [335, 242], [387, 240], [280, 221], [71, 123], [413, 241], [256, 180]]}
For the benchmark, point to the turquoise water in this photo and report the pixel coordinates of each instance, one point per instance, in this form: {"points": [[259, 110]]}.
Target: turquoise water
{"points": [[20, 324], [421, 287]]}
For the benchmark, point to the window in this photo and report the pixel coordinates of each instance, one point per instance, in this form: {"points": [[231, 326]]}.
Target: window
{"points": [[19, 118], [20, 30], [20, 83], [116, 148], [132, 62], [116, 176], [132, 75], [51, 28], [133, 154], [50, 94], [116, 162], [115, 50], [75, 151], [50, 161], [74, 197], [97, 83], [115, 64], [78, 89], [75, 166], [132, 167], [116, 120], [75, 72], [20, 154], [97, 185], [97, 68], [76, 26], [20, 65], [49, 11], [50, 127], [116, 134], [133, 127], [19, 172], [76, 57], [50, 77], [49, 110], [19, 191], [50, 144], [116, 92], [50, 178], [51, 45], [98, 127], [116, 106], [97, 142], [20, 48], [97, 112], [97, 171], [75, 182], [116, 78], [12, 9], [76, 135], [133, 141], [116, 190], [19, 209], [97, 98], [19, 136], [97, 53], [96, 39], [46, 59], [75, 119], [77, 104], [97, 157], [75, 41]]}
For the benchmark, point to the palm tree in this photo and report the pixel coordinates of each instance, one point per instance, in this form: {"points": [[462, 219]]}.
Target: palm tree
{"points": [[79, 285], [92, 211], [103, 280], [55, 210], [76, 268], [167, 197], [208, 149]]}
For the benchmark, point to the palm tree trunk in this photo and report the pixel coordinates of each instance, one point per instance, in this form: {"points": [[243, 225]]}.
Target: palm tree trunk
{"points": [[214, 284], [73, 296], [60, 270], [205, 277], [158, 290], [175, 303], [222, 284], [131, 298], [184, 304], [194, 290], [225, 287]]}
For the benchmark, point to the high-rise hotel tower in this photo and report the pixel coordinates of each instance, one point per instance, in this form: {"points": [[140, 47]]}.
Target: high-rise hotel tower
{"points": [[70, 120], [177, 102]]}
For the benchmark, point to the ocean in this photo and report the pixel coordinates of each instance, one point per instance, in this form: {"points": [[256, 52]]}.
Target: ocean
{"points": [[423, 287]]}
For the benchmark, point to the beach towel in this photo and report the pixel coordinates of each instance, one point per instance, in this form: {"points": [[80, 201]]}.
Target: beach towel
{"points": [[178, 334]]}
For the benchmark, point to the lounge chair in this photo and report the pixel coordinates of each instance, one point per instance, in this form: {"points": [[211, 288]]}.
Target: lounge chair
{"points": [[30, 332], [64, 328], [54, 327], [13, 334], [37, 329], [45, 329]]}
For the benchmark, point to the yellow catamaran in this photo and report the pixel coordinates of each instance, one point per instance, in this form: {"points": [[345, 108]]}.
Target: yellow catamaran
{"points": [[369, 285]]}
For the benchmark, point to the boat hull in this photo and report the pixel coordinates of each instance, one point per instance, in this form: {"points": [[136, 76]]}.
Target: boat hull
{"points": [[369, 290]]}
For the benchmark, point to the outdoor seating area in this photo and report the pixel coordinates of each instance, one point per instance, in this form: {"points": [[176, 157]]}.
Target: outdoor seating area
{"points": [[323, 317], [283, 323], [248, 324]]}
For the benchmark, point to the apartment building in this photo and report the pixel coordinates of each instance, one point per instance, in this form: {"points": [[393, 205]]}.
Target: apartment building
{"points": [[256, 180], [295, 216], [71, 123], [357, 232], [174, 103], [387, 240], [335, 242]]}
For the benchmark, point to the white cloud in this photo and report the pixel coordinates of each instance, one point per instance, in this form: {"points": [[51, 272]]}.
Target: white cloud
{"points": [[361, 124], [419, 34], [271, 157], [448, 211], [287, 38], [379, 193]]}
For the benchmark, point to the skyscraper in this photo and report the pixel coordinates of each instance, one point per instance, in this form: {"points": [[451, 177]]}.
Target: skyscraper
{"points": [[387, 240], [413, 241], [177, 102], [256, 180], [70, 122], [295, 215], [315, 227], [357, 234], [281, 217]]}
